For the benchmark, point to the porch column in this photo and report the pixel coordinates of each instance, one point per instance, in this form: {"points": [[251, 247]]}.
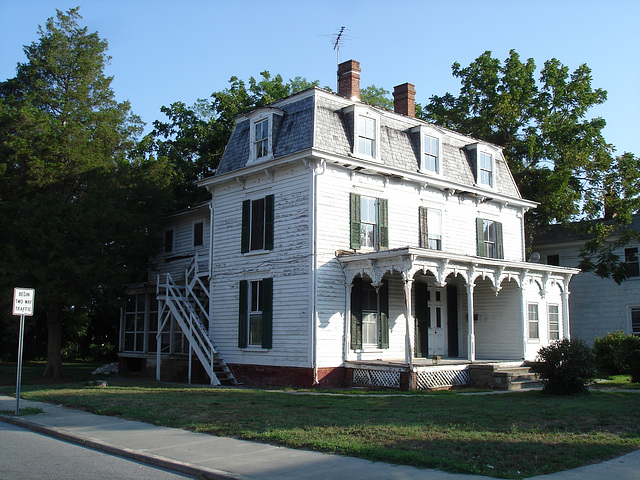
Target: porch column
{"points": [[523, 316], [566, 332], [347, 322], [410, 326], [471, 343]]}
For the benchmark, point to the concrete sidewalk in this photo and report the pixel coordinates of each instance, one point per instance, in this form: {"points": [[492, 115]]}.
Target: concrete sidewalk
{"points": [[210, 457]]}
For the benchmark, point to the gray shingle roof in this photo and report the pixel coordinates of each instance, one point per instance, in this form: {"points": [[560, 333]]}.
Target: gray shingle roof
{"points": [[318, 119]]}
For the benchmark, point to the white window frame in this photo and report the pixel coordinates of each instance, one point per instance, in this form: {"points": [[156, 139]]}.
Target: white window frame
{"points": [[257, 118], [254, 314], [358, 112], [489, 230], [370, 223], [436, 238], [531, 321], [633, 264], [553, 323], [631, 310], [432, 133], [482, 150]]}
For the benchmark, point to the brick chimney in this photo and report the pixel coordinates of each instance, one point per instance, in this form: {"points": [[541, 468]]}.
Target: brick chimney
{"points": [[349, 80], [404, 99]]}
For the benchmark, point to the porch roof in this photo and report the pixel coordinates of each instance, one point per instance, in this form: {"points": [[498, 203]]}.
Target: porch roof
{"points": [[410, 260]]}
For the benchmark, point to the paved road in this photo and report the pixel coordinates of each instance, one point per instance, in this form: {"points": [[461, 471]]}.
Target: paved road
{"points": [[26, 455]]}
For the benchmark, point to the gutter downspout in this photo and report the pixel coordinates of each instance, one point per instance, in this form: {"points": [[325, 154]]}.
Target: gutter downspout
{"points": [[314, 263]]}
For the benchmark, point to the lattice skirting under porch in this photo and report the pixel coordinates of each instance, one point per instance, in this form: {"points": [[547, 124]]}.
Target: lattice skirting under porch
{"points": [[376, 378], [442, 376]]}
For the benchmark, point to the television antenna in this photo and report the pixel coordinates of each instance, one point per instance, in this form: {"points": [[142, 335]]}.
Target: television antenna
{"points": [[338, 39]]}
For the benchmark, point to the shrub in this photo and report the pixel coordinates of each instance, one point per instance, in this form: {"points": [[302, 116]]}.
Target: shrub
{"points": [[606, 350], [629, 357], [565, 367]]}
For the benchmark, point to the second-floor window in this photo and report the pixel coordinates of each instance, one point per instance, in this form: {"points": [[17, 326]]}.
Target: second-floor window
{"points": [[369, 222], [257, 224], [261, 138], [168, 241], [631, 262], [430, 224], [489, 238], [198, 234]]}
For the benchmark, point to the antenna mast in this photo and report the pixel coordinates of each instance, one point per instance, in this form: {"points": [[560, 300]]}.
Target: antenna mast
{"points": [[336, 45]]}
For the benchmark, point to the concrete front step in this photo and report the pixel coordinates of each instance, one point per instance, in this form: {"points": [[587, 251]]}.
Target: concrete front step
{"points": [[515, 378]]}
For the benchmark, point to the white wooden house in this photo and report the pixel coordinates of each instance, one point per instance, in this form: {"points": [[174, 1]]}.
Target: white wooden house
{"points": [[598, 305], [351, 244]]}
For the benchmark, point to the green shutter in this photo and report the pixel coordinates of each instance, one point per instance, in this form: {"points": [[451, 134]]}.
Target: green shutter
{"points": [[422, 225], [356, 314], [383, 295], [383, 223], [499, 246], [243, 314], [267, 312], [354, 216], [246, 225], [480, 236], [268, 222]]}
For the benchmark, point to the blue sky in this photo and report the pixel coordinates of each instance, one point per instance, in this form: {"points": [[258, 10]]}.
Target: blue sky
{"points": [[165, 51]]}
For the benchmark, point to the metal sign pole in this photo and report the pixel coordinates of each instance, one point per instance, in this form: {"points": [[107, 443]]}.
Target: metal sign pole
{"points": [[19, 374]]}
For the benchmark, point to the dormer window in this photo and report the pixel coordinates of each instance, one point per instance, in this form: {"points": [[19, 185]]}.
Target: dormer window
{"points": [[366, 132], [264, 123], [430, 149], [261, 140], [485, 157], [485, 168]]}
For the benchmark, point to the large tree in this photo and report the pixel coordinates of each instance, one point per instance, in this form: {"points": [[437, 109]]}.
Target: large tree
{"points": [[77, 212], [193, 138], [556, 151]]}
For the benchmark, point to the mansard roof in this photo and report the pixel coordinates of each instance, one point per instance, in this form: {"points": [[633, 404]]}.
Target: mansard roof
{"points": [[316, 120]]}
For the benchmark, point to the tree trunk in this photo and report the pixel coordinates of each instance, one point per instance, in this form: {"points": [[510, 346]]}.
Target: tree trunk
{"points": [[53, 368]]}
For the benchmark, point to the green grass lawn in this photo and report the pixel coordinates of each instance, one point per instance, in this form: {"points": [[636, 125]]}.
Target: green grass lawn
{"points": [[513, 435]]}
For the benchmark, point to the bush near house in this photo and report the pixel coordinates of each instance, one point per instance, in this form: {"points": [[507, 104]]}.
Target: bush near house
{"points": [[629, 357], [607, 350], [565, 367]]}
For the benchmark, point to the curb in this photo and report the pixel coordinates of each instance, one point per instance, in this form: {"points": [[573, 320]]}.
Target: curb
{"points": [[201, 473]]}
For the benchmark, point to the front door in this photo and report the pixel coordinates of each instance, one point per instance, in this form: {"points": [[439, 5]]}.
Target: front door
{"points": [[431, 321], [438, 323]]}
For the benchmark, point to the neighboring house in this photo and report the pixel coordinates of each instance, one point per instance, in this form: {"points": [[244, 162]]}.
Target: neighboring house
{"points": [[598, 305], [351, 244]]}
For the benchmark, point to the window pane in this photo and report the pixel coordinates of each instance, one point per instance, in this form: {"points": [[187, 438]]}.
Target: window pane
{"points": [[434, 228], [198, 234], [631, 262], [257, 224], [255, 329], [635, 321], [168, 241], [554, 322], [370, 328], [533, 321]]}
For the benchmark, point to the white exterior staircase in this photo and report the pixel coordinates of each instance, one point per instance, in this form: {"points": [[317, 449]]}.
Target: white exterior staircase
{"points": [[188, 305]]}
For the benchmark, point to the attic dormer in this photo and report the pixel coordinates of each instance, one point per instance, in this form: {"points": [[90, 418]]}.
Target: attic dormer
{"points": [[483, 160], [264, 125], [430, 144]]}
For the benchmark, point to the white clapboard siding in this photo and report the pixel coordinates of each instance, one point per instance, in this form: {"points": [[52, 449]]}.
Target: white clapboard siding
{"points": [[289, 264]]}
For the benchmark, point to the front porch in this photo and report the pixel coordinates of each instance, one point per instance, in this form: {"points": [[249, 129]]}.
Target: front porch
{"points": [[430, 374]]}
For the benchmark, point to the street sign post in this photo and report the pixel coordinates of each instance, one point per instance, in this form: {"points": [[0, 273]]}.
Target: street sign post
{"points": [[23, 302]]}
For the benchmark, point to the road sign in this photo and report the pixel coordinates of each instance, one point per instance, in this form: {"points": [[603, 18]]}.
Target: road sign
{"points": [[23, 301]]}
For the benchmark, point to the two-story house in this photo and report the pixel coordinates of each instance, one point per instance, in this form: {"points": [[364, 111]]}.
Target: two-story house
{"points": [[351, 244]]}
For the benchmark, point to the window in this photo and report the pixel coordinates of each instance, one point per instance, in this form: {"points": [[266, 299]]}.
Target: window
{"points": [[369, 314], [198, 234], [553, 260], [168, 241], [134, 323], [631, 261], [489, 238], [257, 224], [431, 159], [554, 322], [261, 138], [366, 140], [255, 313], [534, 330], [635, 321], [369, 222], [430, 221], [485, 168]]}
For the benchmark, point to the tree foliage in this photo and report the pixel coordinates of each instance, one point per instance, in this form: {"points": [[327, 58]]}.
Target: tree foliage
{"points": [[77, 213], [556, 152], [193, 138]]}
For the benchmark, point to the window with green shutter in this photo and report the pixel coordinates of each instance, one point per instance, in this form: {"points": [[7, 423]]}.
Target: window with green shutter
{"points": [[255, 317], [368, 222], [257, 224], [489, 238], [369, 315]]}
